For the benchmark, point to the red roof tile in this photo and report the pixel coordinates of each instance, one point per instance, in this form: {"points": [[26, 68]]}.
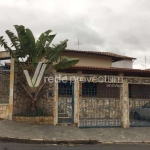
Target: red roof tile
{"points": [[100, 53], [110, 69]]}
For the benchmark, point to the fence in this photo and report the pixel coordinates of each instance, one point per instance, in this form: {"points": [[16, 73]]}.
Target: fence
{"points": [[99, 105], [4, 83], [139, 103]]}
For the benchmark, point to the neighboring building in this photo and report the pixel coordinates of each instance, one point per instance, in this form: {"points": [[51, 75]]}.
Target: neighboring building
{"points": [[100, 59], [102, 96], [128, 63]]}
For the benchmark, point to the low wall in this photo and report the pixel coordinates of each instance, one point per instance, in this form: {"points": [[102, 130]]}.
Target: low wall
{"points": [[21, 100], [4, 111], [104, 108], [35, 120]]}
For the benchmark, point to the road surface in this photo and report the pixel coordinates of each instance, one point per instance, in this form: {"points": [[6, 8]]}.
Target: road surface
{"points": [[18, 146]]}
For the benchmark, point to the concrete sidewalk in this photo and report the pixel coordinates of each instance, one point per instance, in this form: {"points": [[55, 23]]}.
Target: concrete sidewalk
{"points": [[11, 131]]}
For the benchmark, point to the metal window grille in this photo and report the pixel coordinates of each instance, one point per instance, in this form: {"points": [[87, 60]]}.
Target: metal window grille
{"points": [[139, 91], [64, 89], [89, 89]]}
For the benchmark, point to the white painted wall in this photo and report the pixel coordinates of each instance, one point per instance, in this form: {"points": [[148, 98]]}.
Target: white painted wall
{"points": [[123, 64]]}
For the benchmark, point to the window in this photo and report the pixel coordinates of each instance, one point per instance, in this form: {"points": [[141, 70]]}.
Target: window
{"points": [[105, 90], [65, 89], [89, 89], [139, 91]]}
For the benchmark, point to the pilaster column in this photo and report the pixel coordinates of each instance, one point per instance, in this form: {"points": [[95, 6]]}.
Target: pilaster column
{"points": [[76, 102], [11, 91], [55, 111], [125, 122]]}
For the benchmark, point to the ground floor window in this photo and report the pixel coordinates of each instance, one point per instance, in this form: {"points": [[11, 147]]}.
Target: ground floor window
{"points": [[102, 90], [140, 91], [65, 89], [89, 89]]}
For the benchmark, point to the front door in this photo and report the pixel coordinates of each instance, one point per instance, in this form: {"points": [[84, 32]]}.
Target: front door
{"points": [[66, 102]]}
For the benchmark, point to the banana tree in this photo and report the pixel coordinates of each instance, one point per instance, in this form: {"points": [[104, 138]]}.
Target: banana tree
{"points": [[28, 52]]}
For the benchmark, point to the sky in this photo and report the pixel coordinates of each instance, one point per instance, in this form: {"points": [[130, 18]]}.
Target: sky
{"points": [[118, 26]]}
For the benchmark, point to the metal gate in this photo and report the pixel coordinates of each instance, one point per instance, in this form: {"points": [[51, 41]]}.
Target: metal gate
{"points": [[139, 102], [66, 102], [99, 106]]}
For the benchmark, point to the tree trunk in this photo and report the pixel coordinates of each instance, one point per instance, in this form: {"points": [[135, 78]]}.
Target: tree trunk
{"points": [[33, 105]]}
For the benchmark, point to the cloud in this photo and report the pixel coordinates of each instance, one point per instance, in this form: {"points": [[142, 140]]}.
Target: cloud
{"points": [[121, 27]]}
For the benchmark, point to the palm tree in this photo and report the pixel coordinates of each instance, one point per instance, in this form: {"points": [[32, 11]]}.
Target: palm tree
{"points": [[28, 52]]}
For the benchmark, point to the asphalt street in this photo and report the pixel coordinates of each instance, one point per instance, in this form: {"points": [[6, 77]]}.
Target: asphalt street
{"points": [[18, 146]]}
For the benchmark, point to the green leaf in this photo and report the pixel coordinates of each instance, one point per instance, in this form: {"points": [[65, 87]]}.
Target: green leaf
{"points": [[31, 46], [49, 40], [24, 41], [41, 42], [55, 51], [14, 39], [25, 45], [66, 63], [7, 48], [31, 38]]}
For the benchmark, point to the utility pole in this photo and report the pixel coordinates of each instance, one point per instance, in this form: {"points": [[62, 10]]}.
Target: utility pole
{"points": [[78, 43], [145, 62]]}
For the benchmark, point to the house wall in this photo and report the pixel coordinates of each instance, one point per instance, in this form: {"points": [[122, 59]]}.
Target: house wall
{"points": [[123, 64], [4, 55], [90, 60], [22, 102], [4, 111], [102, 107], [115, 108]]}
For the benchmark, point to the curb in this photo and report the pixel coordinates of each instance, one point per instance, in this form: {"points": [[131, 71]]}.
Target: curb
{"points": [[67, 142], [42, 141]]}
